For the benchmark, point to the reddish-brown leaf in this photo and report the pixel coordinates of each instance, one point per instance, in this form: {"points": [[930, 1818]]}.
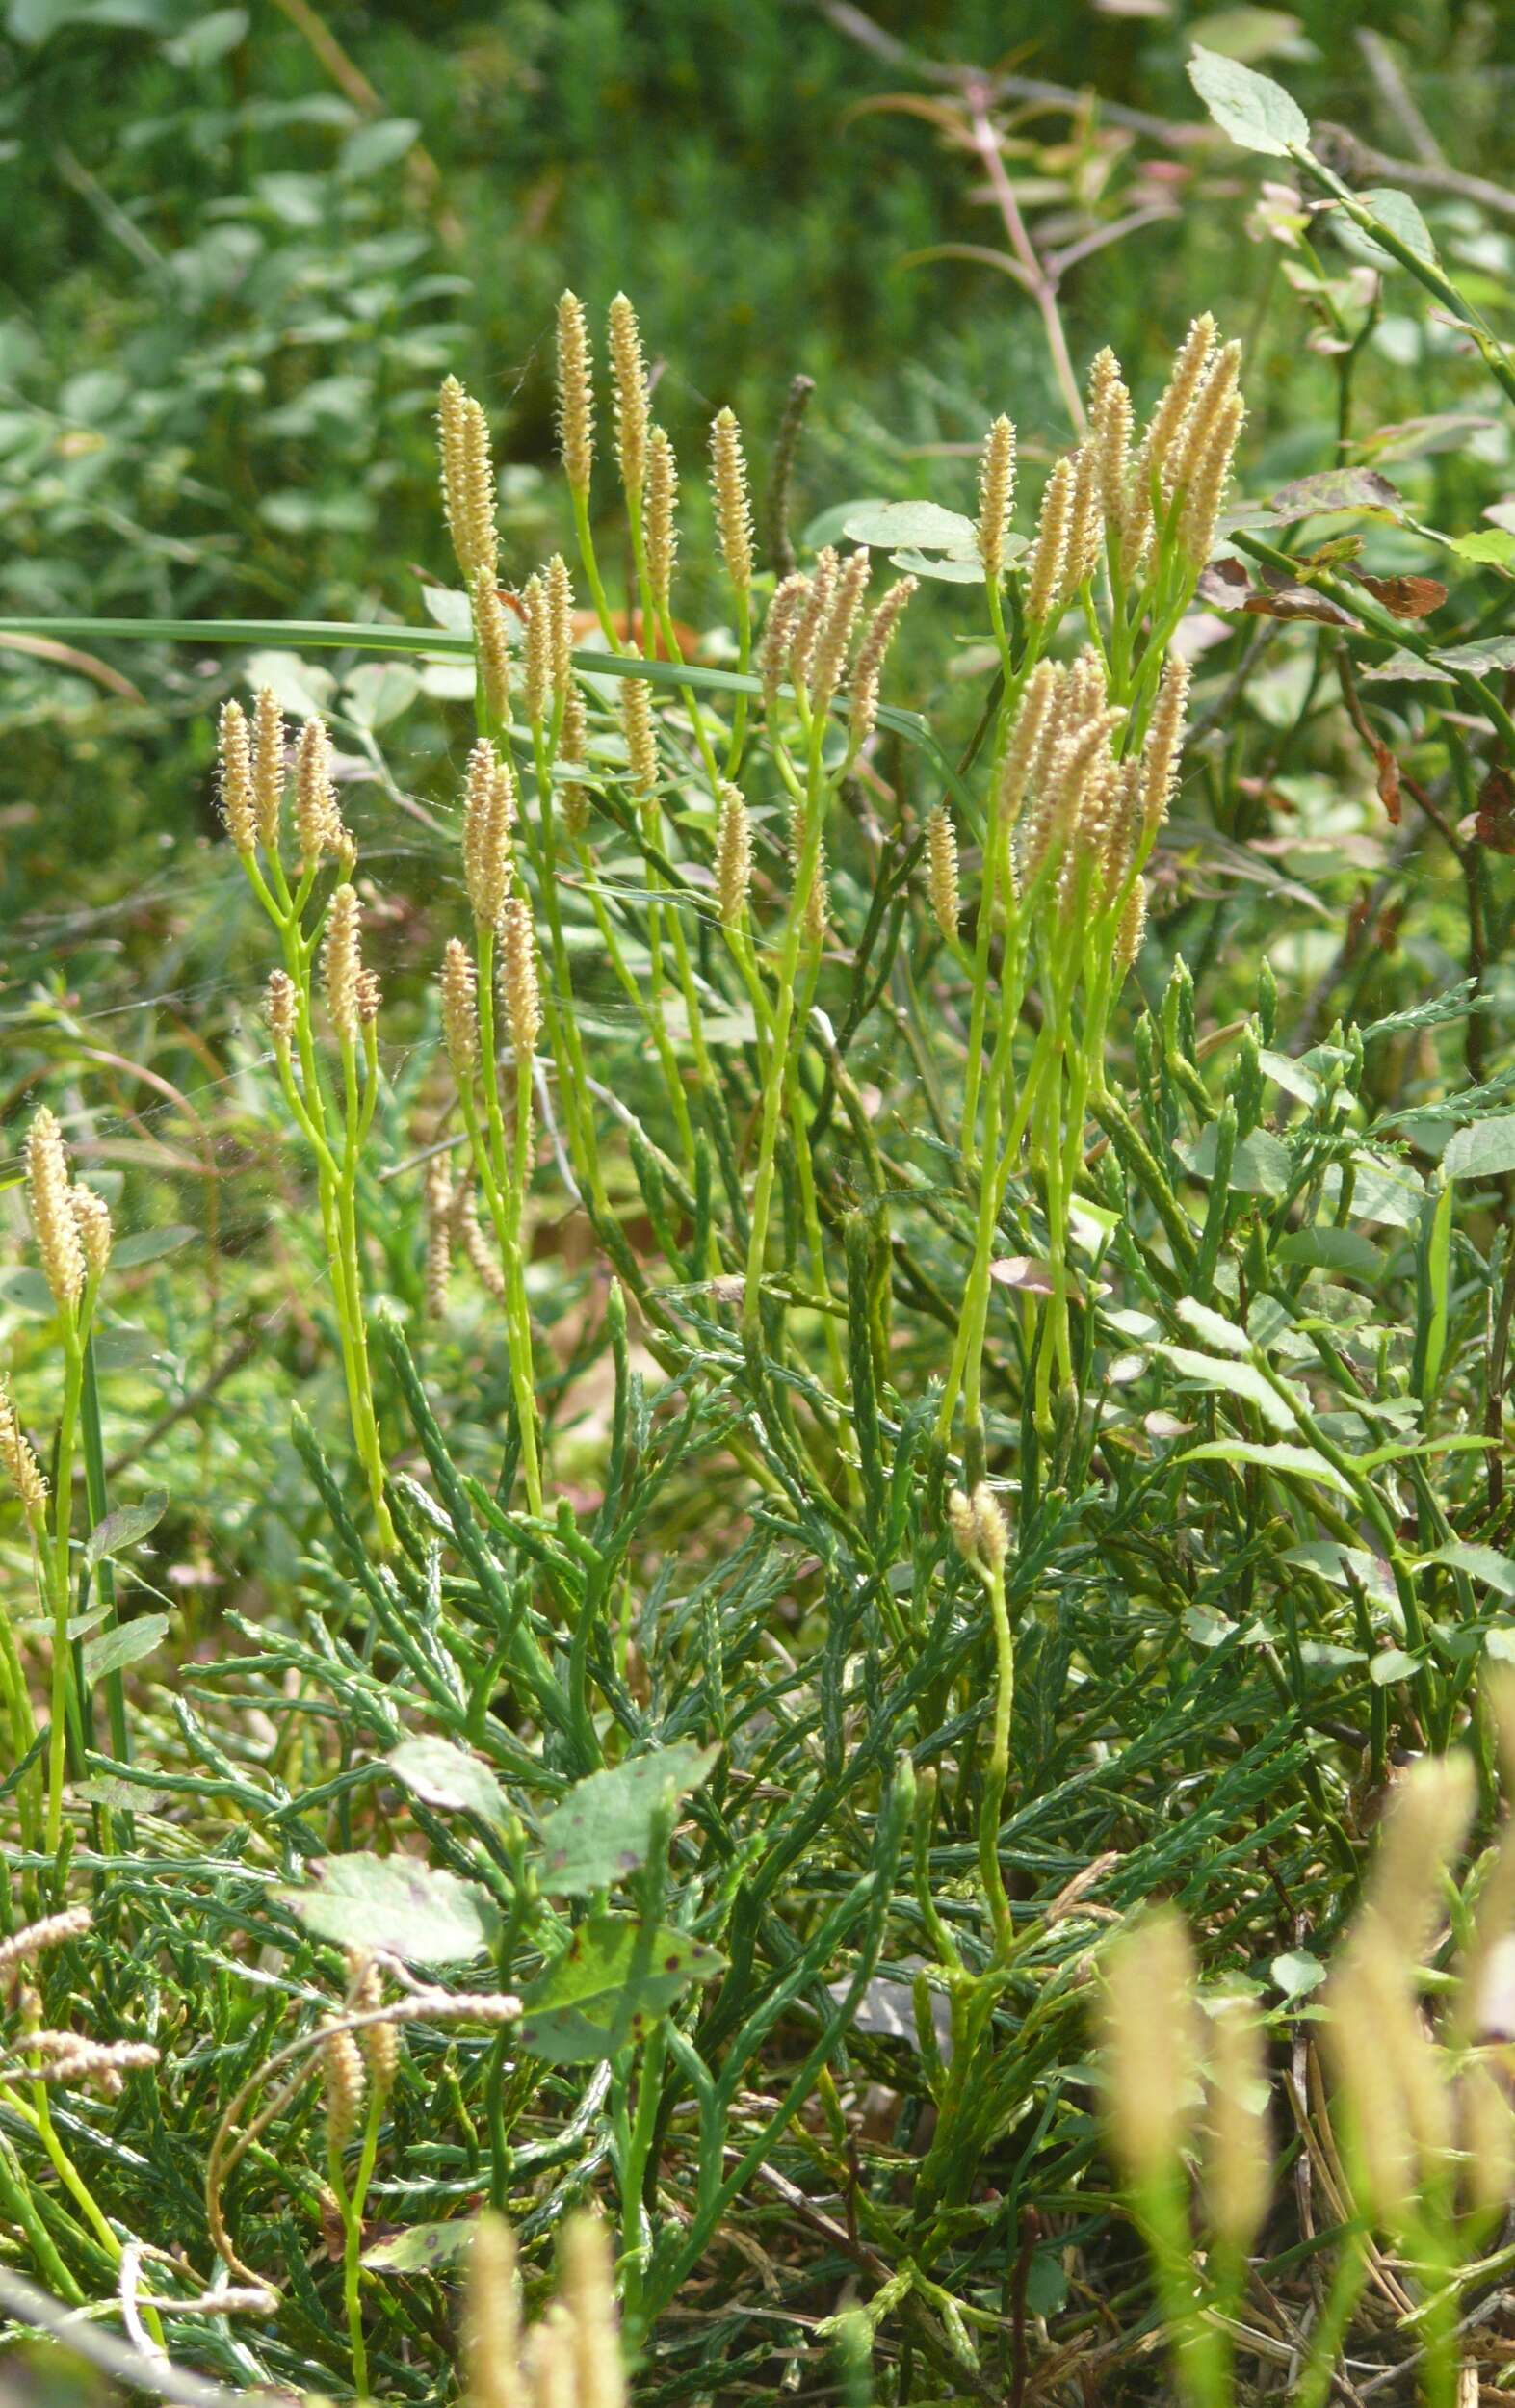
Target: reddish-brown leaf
{"points": [[1283, 601], [1407, 597], [1495, 823]]}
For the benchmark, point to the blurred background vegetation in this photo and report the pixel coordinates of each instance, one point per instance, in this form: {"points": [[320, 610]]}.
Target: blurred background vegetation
{"points": [[245, 243]]}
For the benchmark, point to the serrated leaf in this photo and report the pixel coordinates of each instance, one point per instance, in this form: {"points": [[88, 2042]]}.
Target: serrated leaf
{"points": [[1480, 1563], [123, 1643], [1257, 113], [398, 1903], [1489, 546], [1485, 1150], [601, 1831], [925, 526], [592, 2000], [149, 1246], [1302, 1462], [441, 1774], [1213, 1327], [421, 2248], [123, 1528]]}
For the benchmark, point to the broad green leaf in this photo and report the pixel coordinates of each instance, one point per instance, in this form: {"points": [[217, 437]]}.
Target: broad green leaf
{"points": [[1499, 1642], [1390, 1193], [124, 1348], [149, 1246], [1392, 1664], [884, 526], [1294, 1973], [28, 1291], [1344, 1250], [1259, 1166], [123, 1643], [1213, 1327], [378, 692], [1480, 1563], [1257, 113], [591, 2001], [301, 687], [398, 1903], [211, 38], [421, 2248], [1333, 1562], [441, 1774], [1046, 2286], [948, 569], [1302, 1462], [1208, 1629], [450, 607], [1490, 547], [1290, 1075], [122, 1798], [1485, 1150], [1398, 215], [1227, 1377], [1332, 489], [380, 145], [123, 1528], [603, 1827]]}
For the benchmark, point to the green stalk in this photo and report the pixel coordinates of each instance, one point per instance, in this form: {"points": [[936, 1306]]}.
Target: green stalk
{"points": [[776, 1085], [64, 1699], [999, 1769]]}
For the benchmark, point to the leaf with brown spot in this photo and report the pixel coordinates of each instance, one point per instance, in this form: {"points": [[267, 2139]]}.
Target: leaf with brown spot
{"points": [[607, 1986]]}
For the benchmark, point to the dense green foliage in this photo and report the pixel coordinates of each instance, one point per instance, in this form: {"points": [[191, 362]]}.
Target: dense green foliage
{"points": [[600, 1622]]}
